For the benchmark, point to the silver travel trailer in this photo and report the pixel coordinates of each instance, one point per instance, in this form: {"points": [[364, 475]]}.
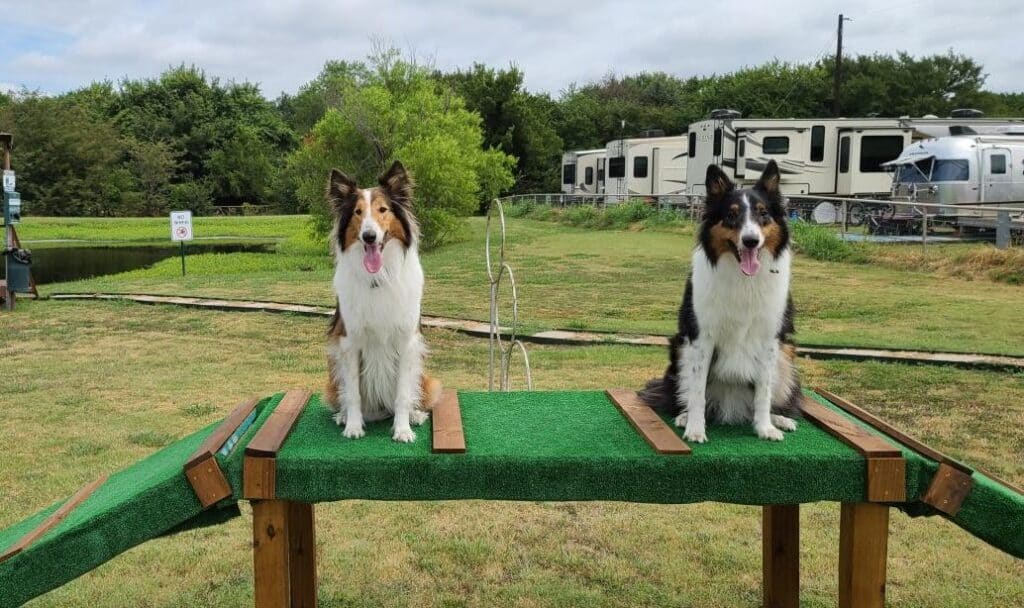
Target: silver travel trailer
{"points": [[834, 156], [583, 171], [645, 166], [964, 170]]}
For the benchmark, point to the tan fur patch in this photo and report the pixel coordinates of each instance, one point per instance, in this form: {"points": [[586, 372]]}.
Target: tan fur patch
{"points": [[789, 351], [772, 237], [431, 391], [720, 239], [384, 215], [332, 392]]}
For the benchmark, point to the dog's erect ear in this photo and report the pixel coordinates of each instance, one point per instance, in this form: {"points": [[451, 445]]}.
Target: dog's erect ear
{"points": [[769, 182], [717, 182], [341, 191], [397, 184]]}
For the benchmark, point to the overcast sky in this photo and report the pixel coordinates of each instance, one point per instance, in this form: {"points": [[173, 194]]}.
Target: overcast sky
{"points": [[59, 45]]}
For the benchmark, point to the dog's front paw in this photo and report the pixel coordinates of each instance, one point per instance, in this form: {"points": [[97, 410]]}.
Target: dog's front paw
{"points": [[784, 423], [339, 418], [770, 433], [354, 431], [695, 435], [680, 420], [404, 435], [418, 417]]}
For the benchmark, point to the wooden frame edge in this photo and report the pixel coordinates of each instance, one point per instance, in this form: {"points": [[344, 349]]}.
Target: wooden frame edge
{"points": [[55, 518], [447, 435], [647, 423], [202, 469]]}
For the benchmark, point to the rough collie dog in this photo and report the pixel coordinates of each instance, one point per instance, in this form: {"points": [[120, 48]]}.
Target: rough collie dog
{"points": [[732, 357], [374, 347]]}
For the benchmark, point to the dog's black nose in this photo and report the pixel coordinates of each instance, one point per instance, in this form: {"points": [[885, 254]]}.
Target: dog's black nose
{"points": [[369, 237], [750, 242]]}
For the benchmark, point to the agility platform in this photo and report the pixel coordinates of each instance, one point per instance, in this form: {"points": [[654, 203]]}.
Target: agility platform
{"points": [[283, 453]]}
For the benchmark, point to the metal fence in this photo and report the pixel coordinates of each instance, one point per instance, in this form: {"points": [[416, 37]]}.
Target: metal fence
{"points": [[897, 220]]}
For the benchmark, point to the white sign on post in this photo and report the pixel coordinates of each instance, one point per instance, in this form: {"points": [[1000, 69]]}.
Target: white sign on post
{"points": [[181, 226], [8, 180]]}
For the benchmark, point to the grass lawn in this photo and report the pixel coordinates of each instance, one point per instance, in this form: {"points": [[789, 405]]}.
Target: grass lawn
{"points": [[92, 387], [616, 280]]}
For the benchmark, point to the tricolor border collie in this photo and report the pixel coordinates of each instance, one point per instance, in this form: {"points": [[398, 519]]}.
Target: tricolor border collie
{"points": [[374, 348], [731, 360]]}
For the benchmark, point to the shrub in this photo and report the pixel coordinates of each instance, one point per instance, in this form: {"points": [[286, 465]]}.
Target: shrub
{"points": [[822, 243]]}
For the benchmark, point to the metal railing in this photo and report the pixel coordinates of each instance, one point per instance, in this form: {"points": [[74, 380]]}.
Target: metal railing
{"points": [[869, 219]]}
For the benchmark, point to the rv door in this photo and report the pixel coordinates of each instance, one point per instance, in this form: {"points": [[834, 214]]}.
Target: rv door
{"points": [[868, 150], [996, 177]]}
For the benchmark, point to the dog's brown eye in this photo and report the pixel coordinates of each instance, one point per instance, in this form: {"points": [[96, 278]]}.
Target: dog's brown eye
{"points": [[383, 210], [359, 211]]}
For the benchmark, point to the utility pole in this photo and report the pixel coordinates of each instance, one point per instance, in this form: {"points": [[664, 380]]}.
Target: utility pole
{"points": [[839, 66]]}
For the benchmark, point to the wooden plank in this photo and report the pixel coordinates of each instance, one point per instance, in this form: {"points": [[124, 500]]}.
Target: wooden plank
{"points": [[270, 544], [1003, 482], [780, 555], [208, 481], [259, 477], [897, 434], [948, 489], [848, 432], [302, 554], [223, 432], [863, 547], [887, 479], [275, 430], [651, 427], [55, 518], [448, 437]]}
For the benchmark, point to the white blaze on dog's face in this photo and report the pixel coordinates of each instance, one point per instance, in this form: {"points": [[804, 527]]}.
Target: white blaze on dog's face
{"points": [[372, 218], [743, 223]]}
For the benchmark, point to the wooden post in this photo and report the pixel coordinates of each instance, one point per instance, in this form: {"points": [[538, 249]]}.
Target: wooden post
{"points": [[302, 554], [780, 555], [863, 544], [270, 540]]}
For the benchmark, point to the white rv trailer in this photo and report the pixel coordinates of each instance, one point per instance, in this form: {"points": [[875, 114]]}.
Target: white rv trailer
{"points": [[961, 170], [644, 166], [583, 171], [840, 157]]}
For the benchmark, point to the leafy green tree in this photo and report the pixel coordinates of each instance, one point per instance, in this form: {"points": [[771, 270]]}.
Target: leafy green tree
{"points": [[243, 167], [152, 164], [514, 121], [399, 112]]}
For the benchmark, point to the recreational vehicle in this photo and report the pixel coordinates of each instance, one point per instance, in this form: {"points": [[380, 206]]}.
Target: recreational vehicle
{"points": [[837, 156], [964, 170], [583, 171], [645, 166]]}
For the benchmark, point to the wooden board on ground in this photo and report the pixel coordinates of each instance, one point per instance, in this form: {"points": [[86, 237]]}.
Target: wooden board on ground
{"points": [[659, 435], [448, 437], [886, 467], [259, 474], [51, 521], [202, 471]]}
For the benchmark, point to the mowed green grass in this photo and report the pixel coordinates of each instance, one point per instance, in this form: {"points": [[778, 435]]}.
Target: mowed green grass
{"points": [[612, 280], [89, 388]]}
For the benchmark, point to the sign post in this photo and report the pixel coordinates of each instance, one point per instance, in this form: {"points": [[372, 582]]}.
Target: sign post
{"points": [[181, 231]]}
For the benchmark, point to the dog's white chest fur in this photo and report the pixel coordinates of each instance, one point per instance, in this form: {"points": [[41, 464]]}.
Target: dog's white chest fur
{"points": [[741, 316]]}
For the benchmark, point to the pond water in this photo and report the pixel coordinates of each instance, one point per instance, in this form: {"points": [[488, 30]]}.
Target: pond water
{"points": [[59, 264]]}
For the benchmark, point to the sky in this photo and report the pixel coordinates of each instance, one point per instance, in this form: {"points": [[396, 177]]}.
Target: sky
{"points": [[58, 45]]}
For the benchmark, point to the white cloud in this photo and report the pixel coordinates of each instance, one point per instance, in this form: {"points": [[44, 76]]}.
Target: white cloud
{"points": [[283, 44]]}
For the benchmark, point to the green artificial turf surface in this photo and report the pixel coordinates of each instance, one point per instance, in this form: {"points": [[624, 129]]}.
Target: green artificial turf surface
{"points": [[550, 446]]}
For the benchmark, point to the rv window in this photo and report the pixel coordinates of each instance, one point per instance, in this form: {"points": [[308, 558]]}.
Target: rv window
{"points": [[743, 147], [878, 149], [775, 145], [640, 166], [997, 164], [717, 149], [917, 173], [589, 173], [817, 143], [617, 167], [844, 155], [693, 144], [568, 174], [951, 170]]}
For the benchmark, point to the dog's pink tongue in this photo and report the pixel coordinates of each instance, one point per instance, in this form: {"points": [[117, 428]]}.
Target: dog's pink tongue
{"points": [[749, 264], [372, 259]]}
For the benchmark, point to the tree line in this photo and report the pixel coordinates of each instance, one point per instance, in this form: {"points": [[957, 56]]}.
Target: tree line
{"points": [[185, 140]]}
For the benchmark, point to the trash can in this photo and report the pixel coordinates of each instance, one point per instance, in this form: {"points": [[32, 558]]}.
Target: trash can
{"points": [[19, 270]]}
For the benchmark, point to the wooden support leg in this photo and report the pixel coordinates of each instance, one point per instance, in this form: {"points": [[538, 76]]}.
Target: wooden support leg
{"points": [[780, 552], [863, 544], [302, 555], [270, 536]]}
